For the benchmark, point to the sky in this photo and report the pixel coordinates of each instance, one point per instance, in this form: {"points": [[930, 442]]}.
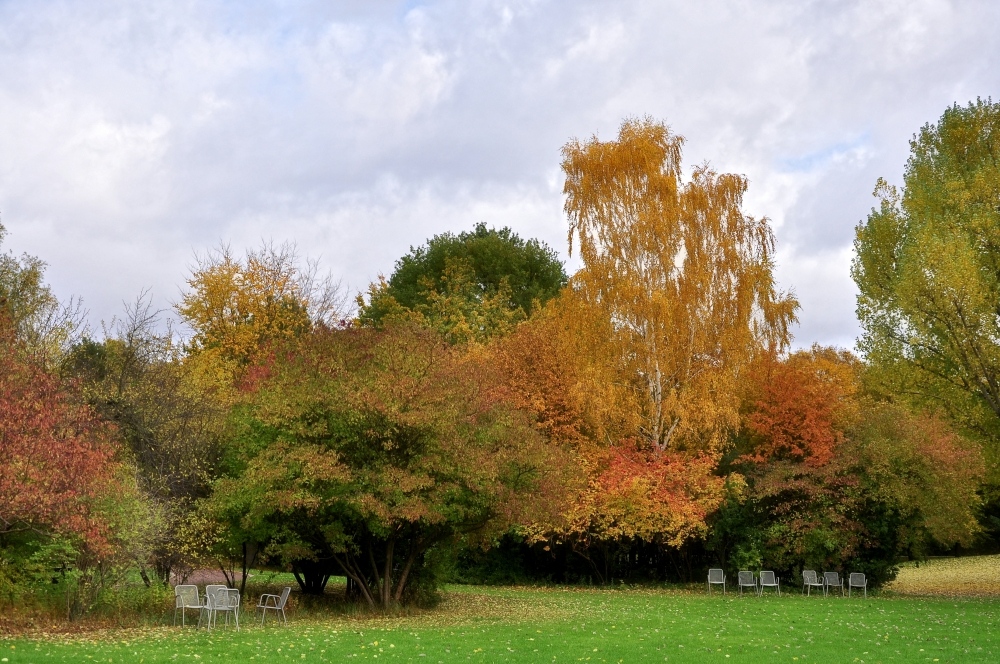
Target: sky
{"points": [[134, 135]]}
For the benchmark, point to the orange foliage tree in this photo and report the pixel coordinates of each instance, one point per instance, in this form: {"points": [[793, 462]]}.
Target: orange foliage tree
{"points": [[57, 462], [800, 399], [837, 478], [619, 489]]}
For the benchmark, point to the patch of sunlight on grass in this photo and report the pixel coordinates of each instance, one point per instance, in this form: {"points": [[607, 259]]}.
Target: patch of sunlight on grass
{"points": [[972, 576]]}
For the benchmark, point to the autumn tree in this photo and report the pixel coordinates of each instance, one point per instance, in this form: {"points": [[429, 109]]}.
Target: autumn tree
{"points": [[618, 490], [681, 274], [43, 326], [928, 270], [361, 448], [57, 459], [238, 307], [837, 477], [800, 399], [171, 428]]}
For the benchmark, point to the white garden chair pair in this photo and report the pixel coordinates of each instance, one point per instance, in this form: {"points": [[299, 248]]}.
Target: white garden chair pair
{"points": [[767, 579], [218, 599]]}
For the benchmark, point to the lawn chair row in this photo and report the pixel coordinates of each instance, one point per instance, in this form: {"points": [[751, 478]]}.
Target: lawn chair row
{"points": [[832, 580], [220, 599], [810, 580]]}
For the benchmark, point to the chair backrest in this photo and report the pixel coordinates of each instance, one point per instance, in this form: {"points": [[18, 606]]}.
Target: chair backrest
{"points": [[767, 579], [856, 580], [716, 576], [234, 598], [809, 577], [186, 596], [212, 596], [832, 578], [284, 597], [746, 579]]}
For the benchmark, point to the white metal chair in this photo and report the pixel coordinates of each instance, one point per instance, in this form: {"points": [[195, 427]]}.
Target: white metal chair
{"points": [[832, 580], [768, 580], [857, 580], [216, 596], [810, 581], [746, 580], [716, 577], [186, 597], [277, 603], [228, 602]]}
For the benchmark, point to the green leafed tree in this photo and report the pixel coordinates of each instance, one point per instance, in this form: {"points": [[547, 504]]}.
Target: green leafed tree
{"points": [[470, 286], [44, 327], [928, 271]]}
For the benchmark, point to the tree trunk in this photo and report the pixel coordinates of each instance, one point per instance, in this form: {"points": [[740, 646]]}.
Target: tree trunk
{"points": [[250, 550], [311, 577]]}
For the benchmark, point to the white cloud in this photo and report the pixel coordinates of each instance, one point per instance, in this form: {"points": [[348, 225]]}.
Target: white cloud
{"points": [[133, 134]]}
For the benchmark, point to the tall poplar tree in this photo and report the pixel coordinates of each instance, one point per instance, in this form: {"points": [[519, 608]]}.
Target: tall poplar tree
{"points": [[928, 272]]}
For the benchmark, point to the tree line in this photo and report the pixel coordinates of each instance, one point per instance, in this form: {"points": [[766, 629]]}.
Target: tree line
{"points": [[481, 415]]}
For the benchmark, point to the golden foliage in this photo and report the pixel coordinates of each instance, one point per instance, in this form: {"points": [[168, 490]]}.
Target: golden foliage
{"points": [[239, 308], [679, 273]]}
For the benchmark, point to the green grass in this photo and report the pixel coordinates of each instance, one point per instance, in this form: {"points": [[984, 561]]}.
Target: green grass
{"points": [[560, 625]]}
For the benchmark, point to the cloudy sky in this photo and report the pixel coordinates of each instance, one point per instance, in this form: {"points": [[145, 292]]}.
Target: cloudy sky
{"points": [[134, 134]]}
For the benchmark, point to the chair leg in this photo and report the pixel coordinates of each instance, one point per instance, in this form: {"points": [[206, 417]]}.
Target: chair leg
{"points": [[283, 616]]}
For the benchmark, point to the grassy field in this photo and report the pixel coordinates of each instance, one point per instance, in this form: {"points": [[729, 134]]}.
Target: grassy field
{"points": [[571, 626]]}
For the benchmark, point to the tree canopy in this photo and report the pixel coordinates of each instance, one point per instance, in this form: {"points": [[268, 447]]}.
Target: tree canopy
{"points": [[361, 448], [680, 274], [58, 466], [928, 270], [471, 279], [43, 325], [238, 308]]}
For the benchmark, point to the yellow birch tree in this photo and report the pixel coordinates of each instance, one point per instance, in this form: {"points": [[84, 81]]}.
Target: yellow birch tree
{"points": [[684, 277]]}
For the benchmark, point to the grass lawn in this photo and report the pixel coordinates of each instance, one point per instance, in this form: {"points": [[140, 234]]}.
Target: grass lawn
{"points": [[570, 625]]}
